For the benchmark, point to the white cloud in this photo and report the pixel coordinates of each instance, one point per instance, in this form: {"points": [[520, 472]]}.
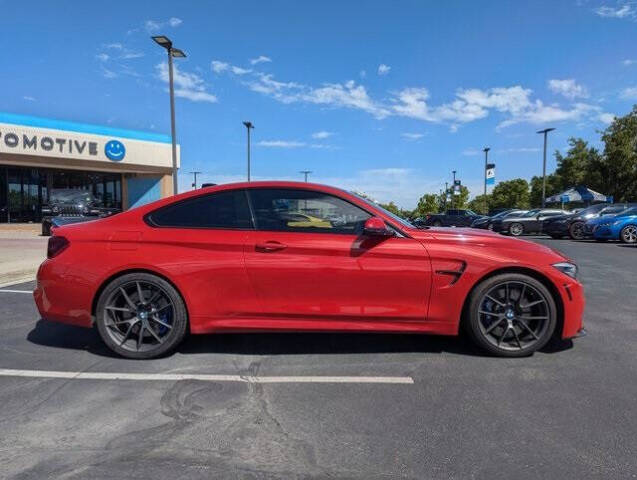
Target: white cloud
{"points": [[219, 67], [260, 59], [623, 10], [568, 88], [102, 57], [187, 85], [362, 74], [322, 135], [629, 93], [239, 70], [130, 54], [114, 46], [542, 114], [383, 69], [412, 136], [473, 152], [106, 73], [152, 26], [628, 62], [29, 98], [281, 144], [606, 118]]}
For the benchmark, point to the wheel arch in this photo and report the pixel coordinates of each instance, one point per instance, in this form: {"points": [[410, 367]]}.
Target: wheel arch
{"points": [[121, 273], [559, 327]]}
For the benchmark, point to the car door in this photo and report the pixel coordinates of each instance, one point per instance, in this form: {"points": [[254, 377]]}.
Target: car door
{"points": [[546, 216], [324, 269], [201, 241]]}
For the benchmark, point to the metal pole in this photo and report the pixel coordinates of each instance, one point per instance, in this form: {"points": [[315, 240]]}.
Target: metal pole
{"points": [[195, 179], [544, 172], [305, 173], [172, 118], [453, 189], [248, 154], [486, 156]]}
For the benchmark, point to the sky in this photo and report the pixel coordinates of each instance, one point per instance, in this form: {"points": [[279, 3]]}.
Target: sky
{"points": [[382, 97]]}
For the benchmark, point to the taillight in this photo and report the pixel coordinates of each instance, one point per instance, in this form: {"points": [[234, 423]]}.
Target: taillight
{"points": [[56, 246]]}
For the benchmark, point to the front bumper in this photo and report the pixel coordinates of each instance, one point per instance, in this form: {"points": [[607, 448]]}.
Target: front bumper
{"points": [[572, 293]]}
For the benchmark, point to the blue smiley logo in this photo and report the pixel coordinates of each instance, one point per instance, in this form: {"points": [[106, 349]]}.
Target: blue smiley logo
{"points": [[114, 150]]}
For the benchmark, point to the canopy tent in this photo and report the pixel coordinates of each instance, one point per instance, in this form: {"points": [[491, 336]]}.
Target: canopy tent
{"points": [[579, 194]]}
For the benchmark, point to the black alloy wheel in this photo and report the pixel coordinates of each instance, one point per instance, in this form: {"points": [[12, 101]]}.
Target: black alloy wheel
{"points": [[512, 315], [140, 316], [576, 230]]}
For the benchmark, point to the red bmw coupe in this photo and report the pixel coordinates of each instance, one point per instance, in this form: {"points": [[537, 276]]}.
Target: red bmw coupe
{"points": [[285, 256]]}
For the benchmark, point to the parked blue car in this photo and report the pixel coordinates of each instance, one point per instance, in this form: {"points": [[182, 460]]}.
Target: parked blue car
{"points": [[622, 226]]}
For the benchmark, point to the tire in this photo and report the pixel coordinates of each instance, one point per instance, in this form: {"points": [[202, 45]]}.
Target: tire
{"points": [[516, 229], [628, 234], [437, 223], [576, 230], [511, 339], [160, 316]]}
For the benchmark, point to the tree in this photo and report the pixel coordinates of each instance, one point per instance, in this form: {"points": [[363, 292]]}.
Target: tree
{"points": [[392, 207], [510, 194], [618, 169], [478, 204], [572, 169], [428, 203], [459, 201], [553, 186]]}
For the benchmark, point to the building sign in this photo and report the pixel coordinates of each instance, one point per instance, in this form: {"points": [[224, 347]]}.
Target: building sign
{"points": [[61, 144]]}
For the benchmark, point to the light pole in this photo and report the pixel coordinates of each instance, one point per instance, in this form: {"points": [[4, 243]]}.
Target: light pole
{"points": [[194, 183], [486, 157], [166, 43], [306, 173], [545, 132], [249, 126], [453, 188]]}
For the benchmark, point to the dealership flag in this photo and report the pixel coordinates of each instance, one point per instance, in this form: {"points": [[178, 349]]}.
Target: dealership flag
{"points": [[490, 174]]}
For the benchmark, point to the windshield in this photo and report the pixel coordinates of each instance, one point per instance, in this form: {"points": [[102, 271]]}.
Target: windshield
{"points": [[398, 219], [592, 209], [471, 213], [514, 213], [71, 196], [530, 213]]}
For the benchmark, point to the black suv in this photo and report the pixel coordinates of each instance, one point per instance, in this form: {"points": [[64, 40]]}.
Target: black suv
{"points": [[573, 225], [451, 218], [72, 206]]}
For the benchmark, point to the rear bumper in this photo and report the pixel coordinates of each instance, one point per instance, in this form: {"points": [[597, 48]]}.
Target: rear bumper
{"points": [[60, 298]]}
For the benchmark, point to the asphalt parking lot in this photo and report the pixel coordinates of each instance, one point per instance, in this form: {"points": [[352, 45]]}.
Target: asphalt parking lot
{"points": [[443, 409]]}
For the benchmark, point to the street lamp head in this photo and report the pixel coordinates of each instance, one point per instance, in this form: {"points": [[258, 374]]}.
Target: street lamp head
{"points": [[486, 149], [248, 125], [176, 53], [546, 130], [163, 41]]}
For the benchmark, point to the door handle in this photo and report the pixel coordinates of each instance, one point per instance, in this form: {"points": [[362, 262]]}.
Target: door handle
{"points": [[270, 246]]}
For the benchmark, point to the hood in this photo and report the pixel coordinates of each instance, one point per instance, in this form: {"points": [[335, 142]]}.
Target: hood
{"points": [[488, 239]]}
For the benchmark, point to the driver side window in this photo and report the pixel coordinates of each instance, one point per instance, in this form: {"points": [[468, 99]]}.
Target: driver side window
{"points": [[291, 210]]}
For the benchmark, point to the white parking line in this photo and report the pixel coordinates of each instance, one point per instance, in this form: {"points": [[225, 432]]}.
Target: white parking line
{"points": [[170, 377], [16, 291]]}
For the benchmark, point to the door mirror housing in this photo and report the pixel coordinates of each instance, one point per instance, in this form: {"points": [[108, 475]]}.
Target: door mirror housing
{"points": [[376, 227]]}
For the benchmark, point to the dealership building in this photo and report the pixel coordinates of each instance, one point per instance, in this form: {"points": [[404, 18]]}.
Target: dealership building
{"points": [[122, 168]]}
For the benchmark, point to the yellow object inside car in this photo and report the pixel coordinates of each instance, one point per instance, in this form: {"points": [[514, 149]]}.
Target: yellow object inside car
{"points": [[307, 221]]}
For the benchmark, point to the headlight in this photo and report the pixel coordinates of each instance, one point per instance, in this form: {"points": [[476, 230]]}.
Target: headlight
{"points": [[569, 269]]}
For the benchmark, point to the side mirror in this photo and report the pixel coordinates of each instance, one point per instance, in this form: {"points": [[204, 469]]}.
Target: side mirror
{"points": [[376, 227]]}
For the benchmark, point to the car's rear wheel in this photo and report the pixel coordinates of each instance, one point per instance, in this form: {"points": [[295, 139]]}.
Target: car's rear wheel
{"points": [[511, 315], [576, 230], [516, 229], [628, 234], [140, 315]]}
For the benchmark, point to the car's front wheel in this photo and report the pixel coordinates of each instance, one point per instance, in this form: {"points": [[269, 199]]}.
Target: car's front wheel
{"points": [[629, 234], [140, 315], [511, 315]]}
